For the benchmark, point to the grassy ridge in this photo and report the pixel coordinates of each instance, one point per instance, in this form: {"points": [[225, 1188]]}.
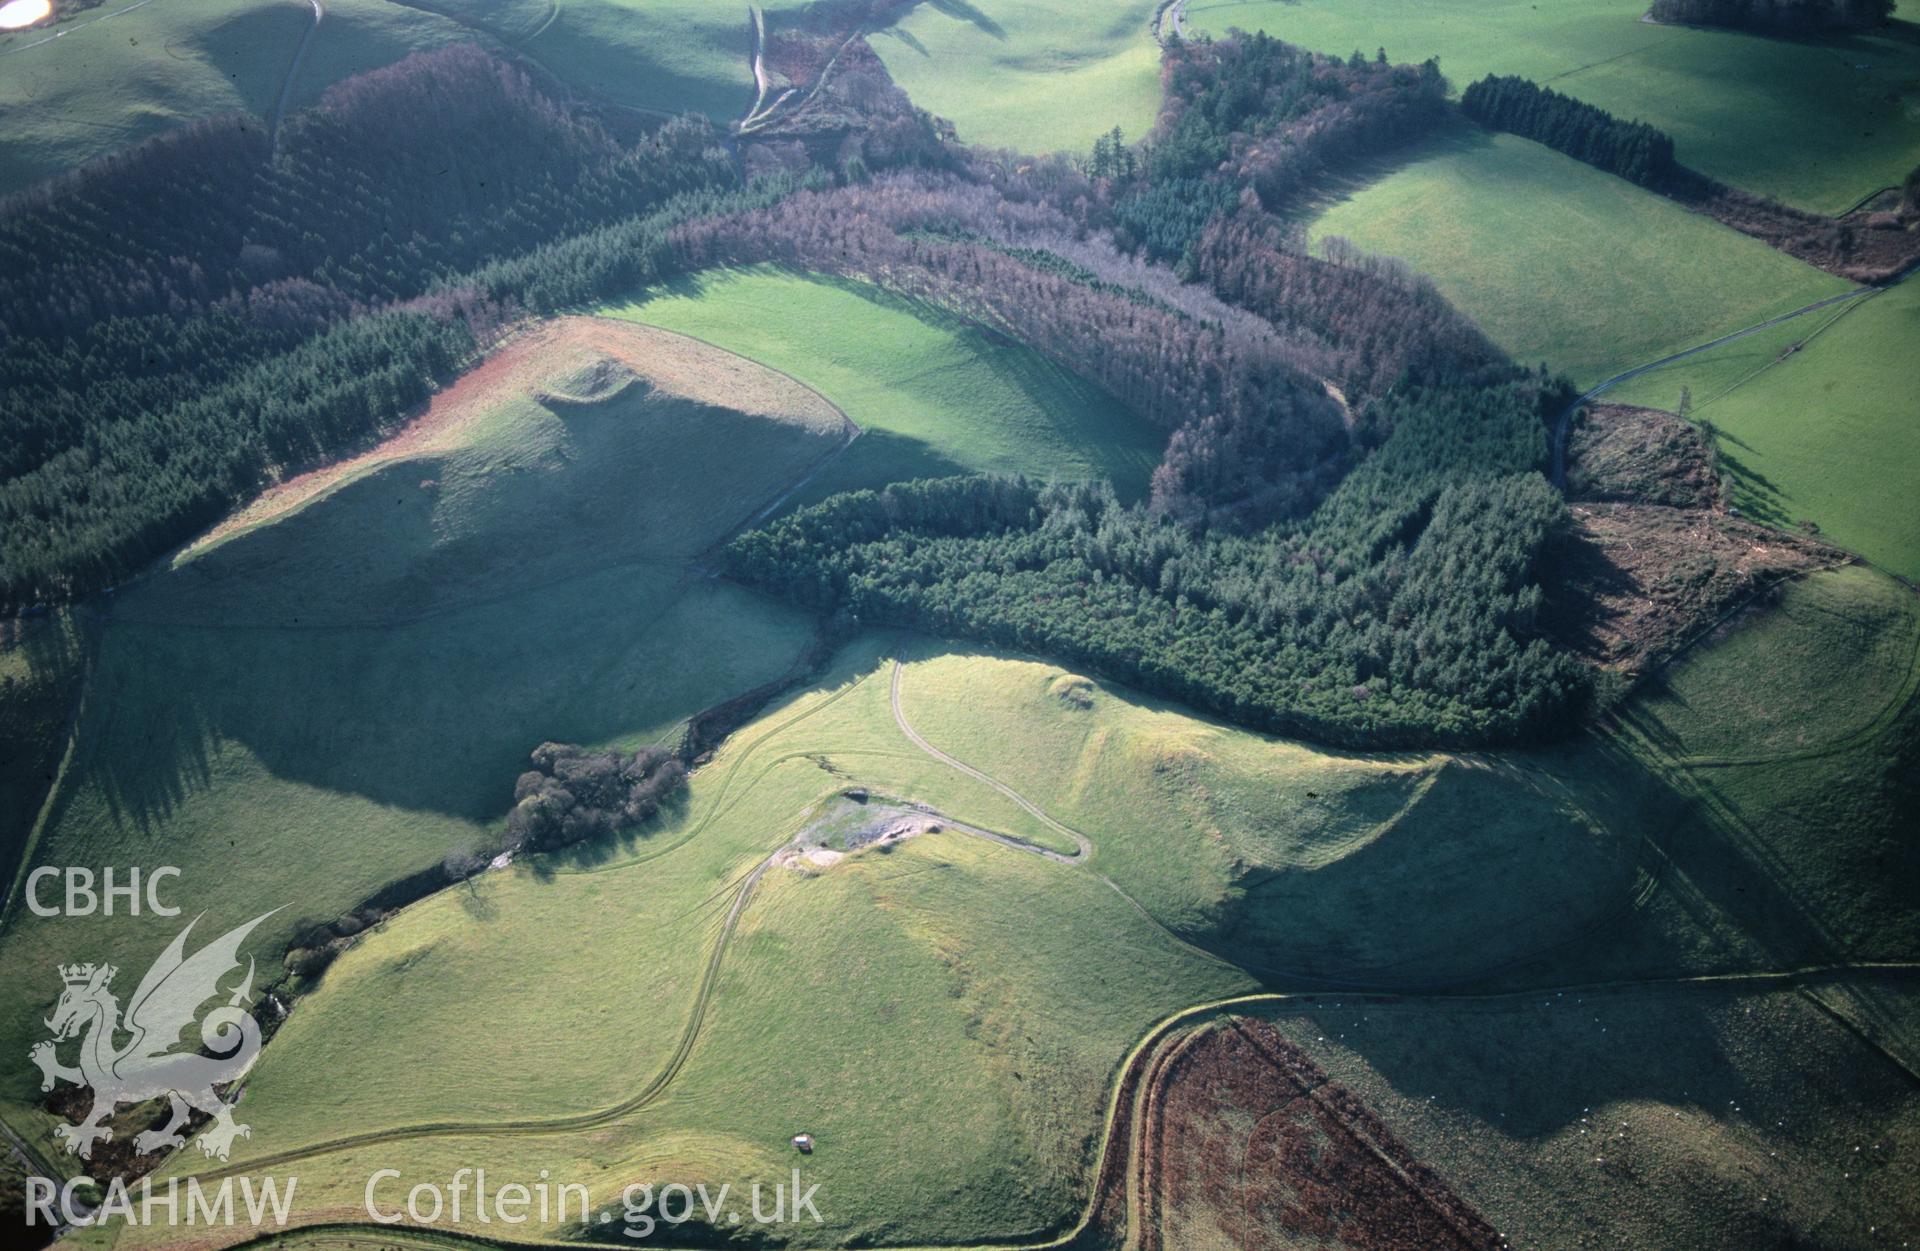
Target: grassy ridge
{"points": [[1816, 122], [1275, 853], [1562, 263], [315, 707], [934, 395], [1820, 433]]}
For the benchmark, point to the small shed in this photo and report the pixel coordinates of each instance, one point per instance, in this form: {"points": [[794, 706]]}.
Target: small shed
{"points": [[803, 1143]]}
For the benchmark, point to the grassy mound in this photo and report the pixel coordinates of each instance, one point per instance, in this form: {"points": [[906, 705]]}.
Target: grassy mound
{"points": [[324, 699], [1286, 859], [933, 394], [1561, 263], [1815, 122], [910, 979], [1814, 423]]}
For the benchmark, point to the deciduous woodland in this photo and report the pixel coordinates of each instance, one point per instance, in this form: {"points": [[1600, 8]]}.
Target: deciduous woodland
{"points": [[1342, 538]]}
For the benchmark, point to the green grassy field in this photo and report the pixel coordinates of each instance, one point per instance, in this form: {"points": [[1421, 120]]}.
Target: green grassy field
{"points": [[1818, 123], [941, 983], [314, 707], [40, 684], [1562, 263], [1031, 75], [1800, 787], [933, 395], [675, 56], [1823, 433], [912, 980], [944, 981]]}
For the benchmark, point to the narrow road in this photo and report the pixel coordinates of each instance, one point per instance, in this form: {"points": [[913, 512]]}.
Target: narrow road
{"points": [[1167, 19], [1564, 422]]}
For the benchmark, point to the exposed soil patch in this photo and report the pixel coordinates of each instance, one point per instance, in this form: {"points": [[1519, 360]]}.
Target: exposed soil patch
{"points": [[1245, 1142], [1654, 556], [851, 825]]}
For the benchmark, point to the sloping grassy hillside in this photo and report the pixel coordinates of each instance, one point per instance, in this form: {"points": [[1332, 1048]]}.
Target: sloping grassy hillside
{"points": [[863, 1001], [107, 82], [317, 705], [941, 981], [674, 56], [86, 87], [1822, 432], [934, 395], [1031, 75], [1816, 122], [1562, 263], [1802, 785], [947, 981]]}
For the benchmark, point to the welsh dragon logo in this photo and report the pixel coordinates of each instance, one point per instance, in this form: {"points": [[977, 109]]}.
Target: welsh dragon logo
{"points": [[150, 1064]]}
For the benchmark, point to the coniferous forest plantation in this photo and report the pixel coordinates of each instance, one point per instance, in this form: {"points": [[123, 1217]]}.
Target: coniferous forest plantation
{"points": [[1000, 625]]}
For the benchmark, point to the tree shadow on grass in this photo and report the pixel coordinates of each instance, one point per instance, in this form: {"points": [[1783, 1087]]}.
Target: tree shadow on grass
{"points": [[1453, 137], [1760, 497], [904, 36], [963, 11]]}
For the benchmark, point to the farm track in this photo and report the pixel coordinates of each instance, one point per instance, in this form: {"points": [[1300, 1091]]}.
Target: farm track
{"points": [[1081, 841], [293, 72]]}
